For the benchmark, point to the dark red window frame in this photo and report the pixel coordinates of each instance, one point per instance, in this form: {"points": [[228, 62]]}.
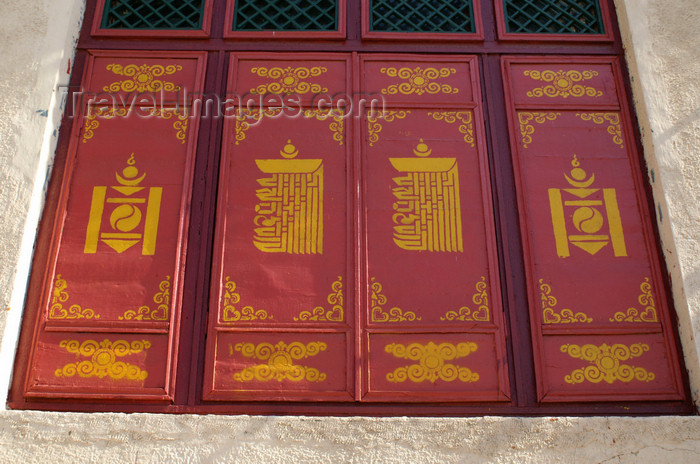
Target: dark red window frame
{"points": [[187, 391]]}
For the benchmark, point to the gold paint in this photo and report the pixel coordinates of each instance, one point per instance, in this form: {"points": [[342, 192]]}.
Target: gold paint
{"points": [[613, 120], [374, 127], [526, 118], [419, 80], [142, 78], [480, 298], [125, 217], [335, 314], [337, 121], [103, 360], [450, 117], [551, 316], [646, 299], [160, 313], [377, 300], [280, 362], [290, 80], [247, 313], [585, 216], [180, 125], [427, 209], [245, 115], [431, 362], [92, 122], [563, 83], [605, 363], [290, 212], [60, 296]]}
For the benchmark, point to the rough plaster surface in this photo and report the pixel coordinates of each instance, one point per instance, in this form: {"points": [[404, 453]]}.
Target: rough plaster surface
{"points": [[663, 48]]}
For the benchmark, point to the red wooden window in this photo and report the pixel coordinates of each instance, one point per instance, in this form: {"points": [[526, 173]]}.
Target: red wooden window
{"points": [[406, 213]]}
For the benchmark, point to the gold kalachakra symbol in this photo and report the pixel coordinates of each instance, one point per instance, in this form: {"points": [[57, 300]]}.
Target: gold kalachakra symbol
{"points": [[427, 210], [290, 211], [583, 209], [127, 225]]}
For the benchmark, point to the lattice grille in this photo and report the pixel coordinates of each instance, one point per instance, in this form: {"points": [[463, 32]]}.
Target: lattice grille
{"points": [[286, 15], [153, 14], [421, 16], [553, 16]]}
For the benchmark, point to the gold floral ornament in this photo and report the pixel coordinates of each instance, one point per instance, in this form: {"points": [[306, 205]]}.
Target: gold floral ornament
{"points": [[527, 129], [103, 359], [646, 299], [280, 362], [374, 127], [244, 118], [247, 313], [564, 316], [319, 313], [563, 84], [377, 300], [60, 296], [290, 80], [337, 124], [480, 298], [142, 78], [419, 81], [432, 363], [464, 117], [160, 313], [605, 363], [92, 123], [613, 121]]}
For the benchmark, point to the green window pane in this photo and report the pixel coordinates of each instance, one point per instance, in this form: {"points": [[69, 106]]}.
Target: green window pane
{"points": [[553, 16], [421, 16], [285, 15], [152, 14]]}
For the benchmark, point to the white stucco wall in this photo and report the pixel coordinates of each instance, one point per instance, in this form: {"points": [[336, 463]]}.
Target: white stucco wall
{"points": [[662, 40]]}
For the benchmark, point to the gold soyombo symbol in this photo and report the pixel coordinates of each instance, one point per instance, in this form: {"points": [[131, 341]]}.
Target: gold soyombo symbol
{"points": [[125, 216], [586, 218]]}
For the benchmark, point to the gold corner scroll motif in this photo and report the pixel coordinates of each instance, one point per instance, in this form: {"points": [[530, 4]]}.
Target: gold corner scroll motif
{"points": [[143, 78], [127, 224], [180, 125], [60, 296], [605, 363], [613, 120], [244, 117], [419, 81], [646, 299], [450, 117], [582, 208], [427, 208], [431, 362], [480, 298], [374, 127], [280, 362], [290, 211], [563, 83], [92, 121], [564, 316], [103, 359], [335, 314], [291, 80], [247, 313], [337, 124], [526, 118], [377, 300], [160, 313]]}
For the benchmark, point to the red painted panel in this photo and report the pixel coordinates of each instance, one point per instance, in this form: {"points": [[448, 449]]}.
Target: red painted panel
{"points": [[591, 265], [415, 79]]}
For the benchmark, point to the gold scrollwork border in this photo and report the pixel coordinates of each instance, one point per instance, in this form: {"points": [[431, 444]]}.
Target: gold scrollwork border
{"points": [[646, 299], [562, 83], [605, 363], [480, 298], [142, 78], [280, 361], [419, 81], [247, 313], [432, 365], [613, 120], [92, 121], [319, 313], [527, 129], [564, 316], [337, 124], [290, 80], [245, 115], [374, 127], [103, 359], [162, 310], [450, 117], [378, 314], [58, 312]]}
